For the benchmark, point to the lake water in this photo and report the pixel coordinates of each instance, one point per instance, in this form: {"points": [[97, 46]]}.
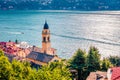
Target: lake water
{"points": [[70, 30]]}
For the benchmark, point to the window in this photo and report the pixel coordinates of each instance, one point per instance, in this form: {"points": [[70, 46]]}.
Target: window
{"points": [[44, 51], [44, 39], [48, 39], [55, 60]]}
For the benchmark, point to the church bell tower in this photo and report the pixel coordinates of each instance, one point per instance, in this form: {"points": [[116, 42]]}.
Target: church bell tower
{"points": [[46, 44], [46, 38]]}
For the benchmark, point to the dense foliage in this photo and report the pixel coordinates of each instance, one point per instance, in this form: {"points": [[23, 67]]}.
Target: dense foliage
{"points": [[91, 62], [106, 64], [115, 60], [54, 71], [61, 4], [78, 62], [93, 59], [17, 70]]}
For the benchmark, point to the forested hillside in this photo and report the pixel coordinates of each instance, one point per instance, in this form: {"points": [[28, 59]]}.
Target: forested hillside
{"points": [[60, 4]]}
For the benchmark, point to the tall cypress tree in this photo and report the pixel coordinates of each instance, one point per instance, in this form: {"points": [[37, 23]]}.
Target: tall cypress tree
{"points": [[78, 62], [115, 60], [93, 59], [106, 64], [16, 41]]}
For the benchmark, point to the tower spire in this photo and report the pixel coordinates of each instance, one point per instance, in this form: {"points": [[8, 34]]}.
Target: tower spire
{"points": [[46, 25]]}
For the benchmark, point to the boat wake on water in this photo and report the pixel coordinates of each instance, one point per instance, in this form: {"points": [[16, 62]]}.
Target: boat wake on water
{"points": [[12, 32], [87, 39]]}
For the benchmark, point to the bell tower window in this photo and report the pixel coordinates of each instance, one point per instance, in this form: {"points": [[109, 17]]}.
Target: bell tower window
{"points": [[48, 39], [44, 39]]}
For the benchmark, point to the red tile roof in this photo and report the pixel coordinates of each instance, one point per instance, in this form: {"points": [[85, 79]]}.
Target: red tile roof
{"points": [[115, 73], [11, 48]]}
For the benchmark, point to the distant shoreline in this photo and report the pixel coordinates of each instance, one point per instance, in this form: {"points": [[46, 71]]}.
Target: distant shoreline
{"points": [[54, 10], [100, 12]]}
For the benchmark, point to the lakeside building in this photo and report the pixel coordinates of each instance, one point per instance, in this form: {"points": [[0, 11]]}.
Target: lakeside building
{"points": [[23, 51], [111, 74], [98, 75], [45, 54], [11, 48]]}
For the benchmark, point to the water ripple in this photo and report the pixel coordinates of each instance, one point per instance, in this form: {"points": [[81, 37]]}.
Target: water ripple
{"points": [[92, 40]]}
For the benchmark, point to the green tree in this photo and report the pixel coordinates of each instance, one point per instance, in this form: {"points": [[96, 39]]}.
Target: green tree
{"points": [[1, 53], [16, 41], [93, 59], [17, 69], [115, 60], [5, 67], [22, 71], [106, 64], [78, 62], [54, 71]]}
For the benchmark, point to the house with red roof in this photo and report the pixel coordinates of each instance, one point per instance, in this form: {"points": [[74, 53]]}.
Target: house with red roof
{"points": [[98, 75], [113, 73], [11, 48]]}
